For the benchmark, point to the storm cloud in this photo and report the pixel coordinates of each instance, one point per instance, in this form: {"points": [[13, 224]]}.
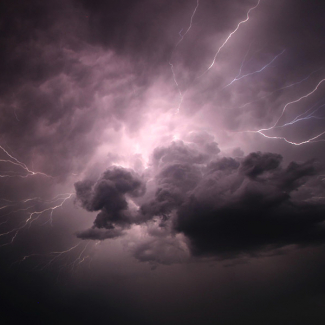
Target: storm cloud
{"points": [[108, 195], [224, 206]]}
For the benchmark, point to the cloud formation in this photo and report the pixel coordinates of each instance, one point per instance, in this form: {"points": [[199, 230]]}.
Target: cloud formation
{"points": [[224, 206], [108, 195]]}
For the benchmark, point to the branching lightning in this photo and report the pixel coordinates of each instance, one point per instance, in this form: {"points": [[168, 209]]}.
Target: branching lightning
{"points": [[15, 161], [35, 215], [215, 57], [305, 116], [295, 120], [181, 95], [52, 257], [309, 114], [279, 89], [239, 77], [293, 102]]}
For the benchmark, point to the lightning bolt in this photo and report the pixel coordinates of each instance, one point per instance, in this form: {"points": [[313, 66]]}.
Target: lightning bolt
{"points": [[301, 117], [54, 256], [252, 73], [291, 142], [15, 161], [243, 62], [181, 95], [35, 215], [293, 102], [178, 88], [295, 120], [279, 89], [189, 27], [57, 255], [80, 259], [228, 38]]}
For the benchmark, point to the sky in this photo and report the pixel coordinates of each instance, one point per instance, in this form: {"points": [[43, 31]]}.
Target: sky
{"points": [[162, 162]]}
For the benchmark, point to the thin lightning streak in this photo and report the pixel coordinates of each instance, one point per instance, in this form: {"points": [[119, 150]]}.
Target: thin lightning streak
{"points": [[79, 259], [275, 125], [189, 27], [290, 103], [283, 88], [83, 259], [22, 201], [227, 39], [61, 196], [9, 232], [26, 257], [291, 142], [51, 218], [59, 254], [35, 215], [56, 255], [299, 118], [5, 206], [12, 212], [39, 213], [20, 164], [177, 86], [54, 199], [243, 62], [170, 63], [252, 73]]}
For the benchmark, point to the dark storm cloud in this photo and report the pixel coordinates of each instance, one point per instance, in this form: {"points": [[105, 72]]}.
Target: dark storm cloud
{"points": [[224, 206], [242, 206], [251, 208], [108, 194]]}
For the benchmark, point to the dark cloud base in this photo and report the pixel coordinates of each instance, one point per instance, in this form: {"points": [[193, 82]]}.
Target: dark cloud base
{"points": [[225, 207]]}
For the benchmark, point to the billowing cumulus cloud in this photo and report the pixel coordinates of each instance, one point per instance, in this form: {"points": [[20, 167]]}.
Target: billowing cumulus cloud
{"points": [[243, 210], [224, 206], [108, 195]]}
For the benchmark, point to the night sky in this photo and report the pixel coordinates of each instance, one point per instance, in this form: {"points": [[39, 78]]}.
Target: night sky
{"points": [[162, 162]]}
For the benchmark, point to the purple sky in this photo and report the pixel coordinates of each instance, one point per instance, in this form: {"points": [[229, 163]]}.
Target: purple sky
{"points": [[162, 162]]}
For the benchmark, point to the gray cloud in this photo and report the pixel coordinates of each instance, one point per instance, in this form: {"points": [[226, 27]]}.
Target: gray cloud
{"points": [[224, 206], [108, 194], [234, 211]]}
